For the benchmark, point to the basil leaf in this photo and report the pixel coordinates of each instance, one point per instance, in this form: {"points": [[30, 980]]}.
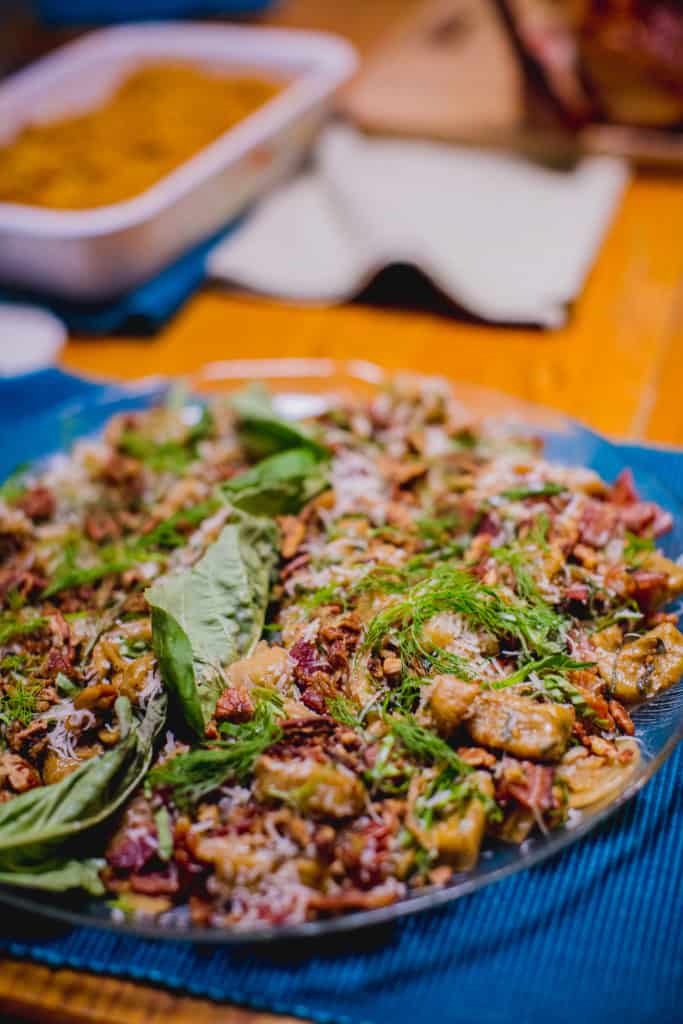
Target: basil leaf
{"points": [[262, 431], [206, 617], [38, 829], [72, 874], [278, 485]]}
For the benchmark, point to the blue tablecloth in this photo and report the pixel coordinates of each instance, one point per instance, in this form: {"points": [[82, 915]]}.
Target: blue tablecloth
{"points": [[592, 937]]}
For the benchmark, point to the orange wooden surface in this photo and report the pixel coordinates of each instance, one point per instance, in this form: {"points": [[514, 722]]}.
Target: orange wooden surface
{"points": [[618, 364]]}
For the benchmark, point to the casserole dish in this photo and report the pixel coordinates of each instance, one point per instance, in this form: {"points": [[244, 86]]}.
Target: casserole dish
{"points": [[93, 254]]}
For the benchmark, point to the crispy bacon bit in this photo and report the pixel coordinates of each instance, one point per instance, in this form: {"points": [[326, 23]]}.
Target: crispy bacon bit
{"points": [[598, 522], [646, 518], [528, 783], [623, 490], [38, 504], [156, 883], [638, 516], [622, 717], [234, 705], [579, 592], [309, 664], [130, 851], [648, 588], [363, 851], [489, 525]]}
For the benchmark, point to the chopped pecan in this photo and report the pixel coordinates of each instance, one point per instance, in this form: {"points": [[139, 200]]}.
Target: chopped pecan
{"points": [[234, 705], [622, 717], [101, 526], [39, 503], [122, 471], [314, 700], [17, 773], [477, 757], [293, 533], [294, 565]]}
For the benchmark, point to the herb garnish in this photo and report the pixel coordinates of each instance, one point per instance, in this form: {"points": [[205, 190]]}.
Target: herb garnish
{"points": [[190, 776], [18, 703], [451, 589], [545, 490]]}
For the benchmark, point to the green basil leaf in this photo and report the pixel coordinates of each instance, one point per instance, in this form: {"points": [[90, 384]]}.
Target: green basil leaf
{"points": [[262, 431], [39, 828], [278, 485], [205, 617], [72, 874]]}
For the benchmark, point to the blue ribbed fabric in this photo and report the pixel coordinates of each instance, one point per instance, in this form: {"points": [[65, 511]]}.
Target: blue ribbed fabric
{"points": [[142, 310], [594, 936]]}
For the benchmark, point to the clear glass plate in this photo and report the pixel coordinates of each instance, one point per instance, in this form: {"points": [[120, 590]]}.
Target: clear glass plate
{"points": [[303, 387]]}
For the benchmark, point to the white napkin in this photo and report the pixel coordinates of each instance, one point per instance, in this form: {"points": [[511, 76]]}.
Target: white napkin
{"points": [[507, 240]]}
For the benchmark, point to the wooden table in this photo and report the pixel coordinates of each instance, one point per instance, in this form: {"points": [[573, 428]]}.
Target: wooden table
{"points": [[618, 365]]}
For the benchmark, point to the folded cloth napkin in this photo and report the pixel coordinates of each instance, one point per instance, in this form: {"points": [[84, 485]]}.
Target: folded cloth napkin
{"points": [[507, 240], [591, 936]]}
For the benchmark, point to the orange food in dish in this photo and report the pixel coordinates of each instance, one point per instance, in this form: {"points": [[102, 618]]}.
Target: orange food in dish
{"points": [[158, 117]]}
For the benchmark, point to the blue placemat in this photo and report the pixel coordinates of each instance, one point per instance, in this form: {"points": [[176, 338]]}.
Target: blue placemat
{"points": [[144, 309], [593, 936], [79, 12]]}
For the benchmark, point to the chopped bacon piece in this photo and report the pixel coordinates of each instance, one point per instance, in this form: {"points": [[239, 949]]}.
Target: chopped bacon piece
{"points": [[132, 850], [648, 588], [308, 662], [156, 883], [363, 851], [636, 515], [489, 525], [579, 592], [623, 490], [598, 522], [234, 705], [534, 789], [645, 517]]}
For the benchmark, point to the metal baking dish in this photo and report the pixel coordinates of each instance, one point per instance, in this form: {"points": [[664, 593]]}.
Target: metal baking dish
{"points": [[94, 254]]}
